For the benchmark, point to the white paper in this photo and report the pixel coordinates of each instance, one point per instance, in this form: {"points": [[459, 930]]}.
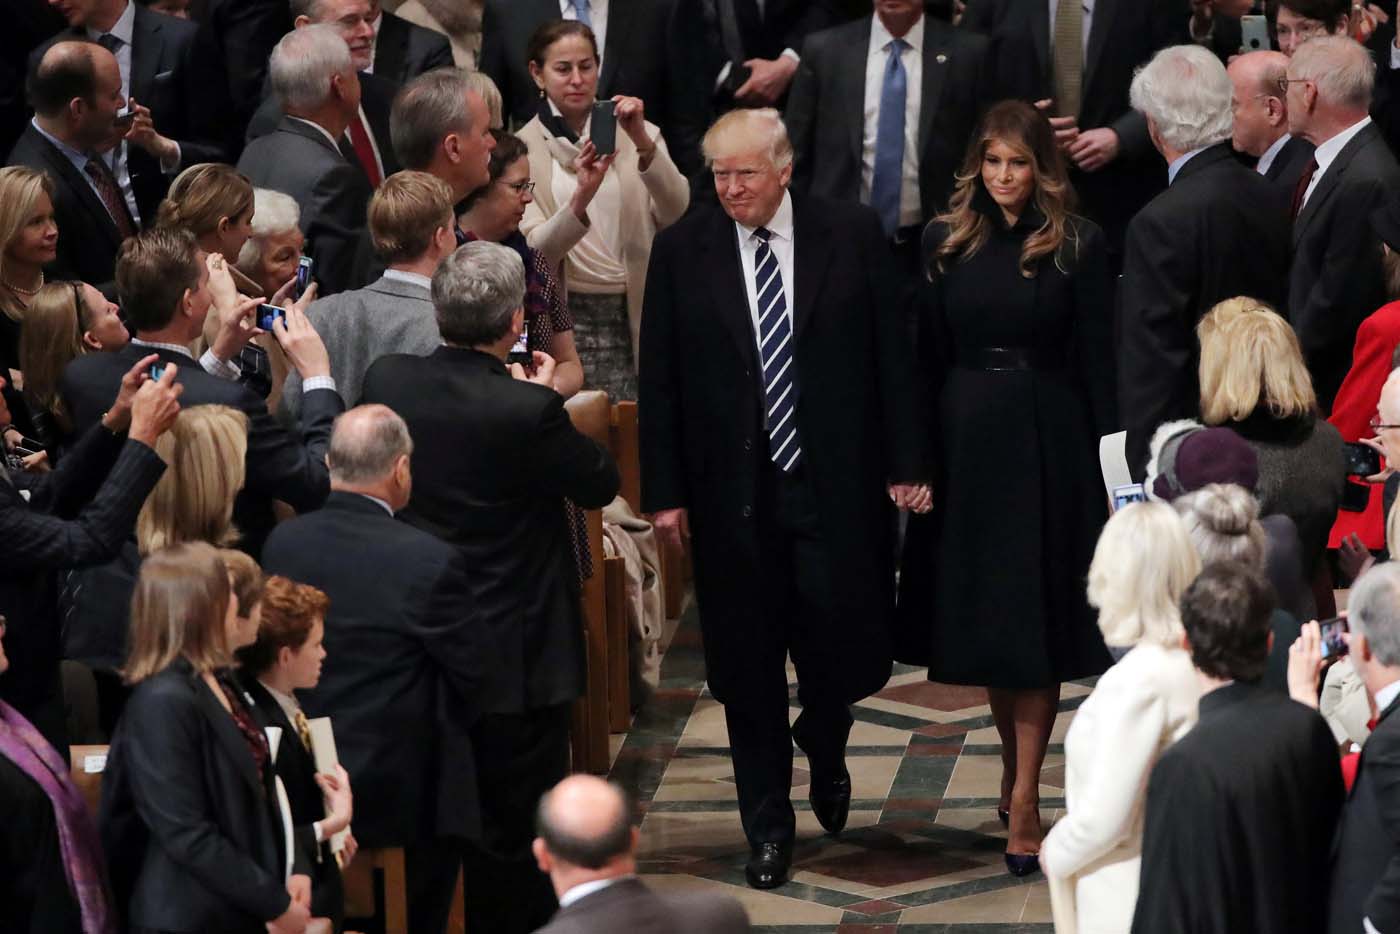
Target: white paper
{"points": [[323, 742]]}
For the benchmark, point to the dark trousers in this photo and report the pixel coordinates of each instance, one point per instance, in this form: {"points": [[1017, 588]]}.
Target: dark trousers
{"points": [[431, 868], [798, 593], [519, 757]]}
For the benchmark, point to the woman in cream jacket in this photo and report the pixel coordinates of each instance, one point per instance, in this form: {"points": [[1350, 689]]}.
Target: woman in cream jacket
{"points": [[1144, 703]]}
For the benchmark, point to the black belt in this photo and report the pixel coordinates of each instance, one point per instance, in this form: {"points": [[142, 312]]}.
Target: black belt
{"points": [[1011, 358]]}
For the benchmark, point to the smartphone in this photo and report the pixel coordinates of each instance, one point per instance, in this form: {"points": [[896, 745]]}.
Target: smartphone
{"points": [[1334, 643], [1127, 493], [1254, 31], [1362, 461], [124, 119], [303, 276], [156, 370], [520, 351], [27, 447], [270, 313], [602, 128]]}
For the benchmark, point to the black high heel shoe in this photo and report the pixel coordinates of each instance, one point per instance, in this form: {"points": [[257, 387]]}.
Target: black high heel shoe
{"points": [[1022, 864]]}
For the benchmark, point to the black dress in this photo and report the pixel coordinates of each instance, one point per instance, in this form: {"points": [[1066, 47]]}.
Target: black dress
{"points": [[992, 587]]}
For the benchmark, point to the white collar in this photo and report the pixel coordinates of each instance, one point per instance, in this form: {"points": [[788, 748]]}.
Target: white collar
{"points": [[375, 499], [1386, 696], [288, 703], [74, 155], [124, 28], [585, 889], [880, 37], [322, 130], [1328, 151], [1270, 154], [173, 348], [779, 225], [412, 278]]}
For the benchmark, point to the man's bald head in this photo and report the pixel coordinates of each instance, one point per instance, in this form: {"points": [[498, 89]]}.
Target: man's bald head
{"points": [[76, 90], [1261, 71], [586, 822], [366, 444], [1256, 101]]}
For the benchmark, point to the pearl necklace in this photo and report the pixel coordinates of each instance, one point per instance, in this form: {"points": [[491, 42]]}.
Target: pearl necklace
{"points": [[29, 292]]}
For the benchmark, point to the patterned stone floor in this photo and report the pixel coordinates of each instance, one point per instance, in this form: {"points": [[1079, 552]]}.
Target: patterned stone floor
{"points": [[922, 851]]}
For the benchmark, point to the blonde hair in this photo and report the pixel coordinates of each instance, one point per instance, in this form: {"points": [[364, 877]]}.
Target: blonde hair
{"points": [[51, 338], [1142, 564], [481, 83], [743, 130], [20, 187], [405, 214], [203, 195], [178, 610], [245, 577], [205, 449], [1222, 520], [1250, 357]]}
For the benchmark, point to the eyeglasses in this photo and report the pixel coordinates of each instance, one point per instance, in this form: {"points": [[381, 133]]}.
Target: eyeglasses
{"points": [[1377, 426], [521, 188], [1283, 83]]}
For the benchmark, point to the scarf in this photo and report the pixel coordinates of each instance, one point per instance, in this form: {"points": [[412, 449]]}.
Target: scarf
{"points": [[21, 743]]}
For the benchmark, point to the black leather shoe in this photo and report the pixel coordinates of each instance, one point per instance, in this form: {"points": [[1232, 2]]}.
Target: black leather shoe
{"points": [[831, 801], [768, 865]]}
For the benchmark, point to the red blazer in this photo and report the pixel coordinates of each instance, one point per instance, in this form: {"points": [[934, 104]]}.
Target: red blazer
{"points": [[1354, 408]]}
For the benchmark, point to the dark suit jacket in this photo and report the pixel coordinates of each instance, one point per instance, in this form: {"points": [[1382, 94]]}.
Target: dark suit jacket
{"points": [[79, 514], [703, 442], [333, 192], [406, 659], [494, 459], [1337, 278], [629, 905], [826, 110], [1219, 231], [376, 99], [404, 50], [35, 897], [1288, 165], [227, 62], [87, 235], [190, 828], [1240, 814], [28, 23], [634, 62], [281, 464], [1365, 854], [1123, 35]]}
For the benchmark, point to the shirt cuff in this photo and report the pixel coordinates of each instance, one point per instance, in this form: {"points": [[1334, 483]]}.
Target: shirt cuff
{"points": [[1394, 55], [316, 830], [172, 167], [223, 369], [792, 54], [1366, 924], [723, 75], [317, 382]]}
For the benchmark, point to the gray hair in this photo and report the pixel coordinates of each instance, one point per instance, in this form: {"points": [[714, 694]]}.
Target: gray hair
{"points": [[1341, 68], [1222, 520], [481, 83], [475, 292], [425, 111], [366, 441], [742, 130], [303, 63], [1186, 92], [273, 213], [1373, 611]]}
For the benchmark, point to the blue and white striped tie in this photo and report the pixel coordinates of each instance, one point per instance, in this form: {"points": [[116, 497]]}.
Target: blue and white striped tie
{"points": [[775, 344]]}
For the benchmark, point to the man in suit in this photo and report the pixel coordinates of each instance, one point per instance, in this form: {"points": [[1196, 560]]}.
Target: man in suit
{"points": [[496, 459], [1337, 278], [76, 91], [877, 83], [404, 50], [1365, 891], [1083, 86], [1219, 230], [314, 79], [406, 657], [227, 62], [77, 515], [1261, 118], [441, 125], [588, 847], [164, 289], [779, 411], [365, 143], [411, 222], [631, 36], [1241, 811], [150, 49]]}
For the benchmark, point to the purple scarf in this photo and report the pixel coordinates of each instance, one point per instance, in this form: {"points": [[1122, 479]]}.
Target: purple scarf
{"points": [[21, 743]]}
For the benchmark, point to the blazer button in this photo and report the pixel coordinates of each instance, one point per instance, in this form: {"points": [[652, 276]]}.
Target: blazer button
{"points": [[748, 444], [748, 512]]}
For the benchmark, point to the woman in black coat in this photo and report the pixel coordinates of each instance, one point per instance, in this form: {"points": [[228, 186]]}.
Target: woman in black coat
{"points": [[188, 817], [1015, 328]]}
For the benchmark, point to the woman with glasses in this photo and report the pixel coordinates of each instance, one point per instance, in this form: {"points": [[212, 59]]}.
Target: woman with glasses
{"points": [[600, 253]]}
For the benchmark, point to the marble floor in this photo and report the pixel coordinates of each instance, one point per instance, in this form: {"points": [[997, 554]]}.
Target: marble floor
{"points": [[922, 851]]}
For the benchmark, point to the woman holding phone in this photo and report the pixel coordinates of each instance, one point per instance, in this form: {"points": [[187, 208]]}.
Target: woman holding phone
{"points": [[595, 209], [1016, 331]]}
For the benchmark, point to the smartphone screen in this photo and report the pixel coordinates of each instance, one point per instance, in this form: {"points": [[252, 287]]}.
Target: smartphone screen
{"points": [[268, 314], [303, 275], [1334, 643], [1127, 493], [602, 128]]}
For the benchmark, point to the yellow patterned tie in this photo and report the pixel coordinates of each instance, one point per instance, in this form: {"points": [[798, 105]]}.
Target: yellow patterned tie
{"points": [[303, 730], [1068, 56]]}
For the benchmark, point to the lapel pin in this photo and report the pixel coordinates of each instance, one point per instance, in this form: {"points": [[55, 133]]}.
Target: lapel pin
{"points": [[940, 58]]}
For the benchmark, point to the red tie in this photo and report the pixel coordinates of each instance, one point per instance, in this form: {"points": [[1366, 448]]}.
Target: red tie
{"points": [[111, 194], [1304, 181], [364, 151]]}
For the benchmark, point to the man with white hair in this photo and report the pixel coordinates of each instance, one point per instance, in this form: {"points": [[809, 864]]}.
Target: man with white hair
{"points": [[780, 417], [1218, 231], [1365, 891], [1337, 278], [1261, 118], [314, 78]]}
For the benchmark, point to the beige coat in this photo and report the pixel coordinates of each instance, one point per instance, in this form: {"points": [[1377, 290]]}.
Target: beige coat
{"points": [[650, 201], [1093, 854]]}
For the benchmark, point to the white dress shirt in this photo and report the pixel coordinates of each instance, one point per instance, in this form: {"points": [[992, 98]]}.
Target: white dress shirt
{"points": [[781, 243], [1266, 161], [412, 278], [584, 889], [209, 363], [1327, 152], [597, 14], [124, 29], [1088, 22], [876, 61]]}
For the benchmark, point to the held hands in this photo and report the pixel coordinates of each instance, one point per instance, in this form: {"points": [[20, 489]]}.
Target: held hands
{"points": [[221, 285], [1376, 445], [673, 526], [768, 80], [1353, 557], [154, 409], [1305, 665], [299, 339], [1094, 149], [631, 117], [298, 914], [143, 133], [544, 366], [917, 498], [589, 169], [340, 801]]}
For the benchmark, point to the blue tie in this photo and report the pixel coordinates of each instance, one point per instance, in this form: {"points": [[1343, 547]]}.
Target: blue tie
{"points": [[775, 345], [889, 140], [582, 14]]}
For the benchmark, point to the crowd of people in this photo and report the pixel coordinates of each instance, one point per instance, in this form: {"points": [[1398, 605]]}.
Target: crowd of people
{"points": [[293, 294]]}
